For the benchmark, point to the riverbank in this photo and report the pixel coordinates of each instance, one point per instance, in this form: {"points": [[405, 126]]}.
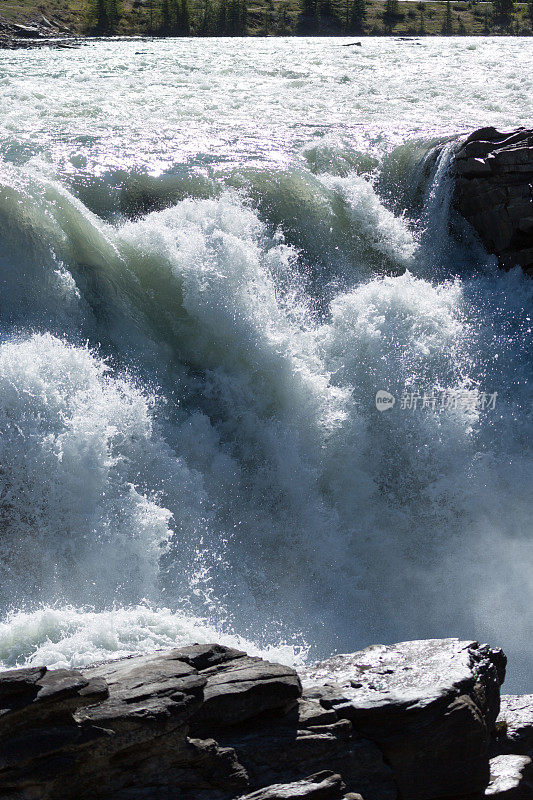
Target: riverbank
{"points": [[36, 33], [52, 19]]}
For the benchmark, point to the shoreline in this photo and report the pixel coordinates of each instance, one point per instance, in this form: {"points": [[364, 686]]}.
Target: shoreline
{"points": [[19, 36], [34, 35]]}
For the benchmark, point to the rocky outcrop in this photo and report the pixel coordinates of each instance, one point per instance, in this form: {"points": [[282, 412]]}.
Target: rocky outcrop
{"points": [[206, 722], [511, 768], [429, 706], [493, 190], [15, 35]]}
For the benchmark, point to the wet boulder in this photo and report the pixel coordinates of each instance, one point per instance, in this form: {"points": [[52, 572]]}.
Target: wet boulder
{"points": [[493, 175]]}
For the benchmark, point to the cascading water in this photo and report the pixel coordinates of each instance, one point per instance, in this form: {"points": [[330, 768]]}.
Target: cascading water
{"points": [[197, 309]]}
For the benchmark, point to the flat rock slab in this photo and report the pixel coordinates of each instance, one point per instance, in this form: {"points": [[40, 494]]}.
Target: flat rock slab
{"points": [[322, 786], [412, 673], [244, 688], [511, 778], [146, 687], [429, 705], [515, 724]]}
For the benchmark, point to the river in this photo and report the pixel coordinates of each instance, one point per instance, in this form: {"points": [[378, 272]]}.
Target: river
{"points": [[214, 254]]}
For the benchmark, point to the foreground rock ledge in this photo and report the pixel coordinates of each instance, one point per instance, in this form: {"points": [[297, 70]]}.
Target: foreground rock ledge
{"points": [[413, 721], [493, 174]]}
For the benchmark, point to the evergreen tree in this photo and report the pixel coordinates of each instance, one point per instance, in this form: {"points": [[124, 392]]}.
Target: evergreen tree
{"points": [[422, 8], [308, 7], [309, 16], [486, 21], [185, 17], [530, 12], [317, 22], [244, 18], [502, 12], [176, 17], [102, 19], [447, 27], [166, 23], [284, 21], [114, 13], [391, 15], [356, 16], [231, 18], [268, 18], [207, 20], [182, 17], [104, 15], [233, 21], [221, 17]]}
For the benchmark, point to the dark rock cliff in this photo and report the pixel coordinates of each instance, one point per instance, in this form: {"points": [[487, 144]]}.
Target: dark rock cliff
{"points": [[493, 174]]}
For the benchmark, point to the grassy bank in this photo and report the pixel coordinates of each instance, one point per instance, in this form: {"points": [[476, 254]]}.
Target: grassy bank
{"points": [[282, 17]]}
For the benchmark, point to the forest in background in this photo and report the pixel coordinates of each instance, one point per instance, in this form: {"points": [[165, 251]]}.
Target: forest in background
{"points": [[279, 17]]}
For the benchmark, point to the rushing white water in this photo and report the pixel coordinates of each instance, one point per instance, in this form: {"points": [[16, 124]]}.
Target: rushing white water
{"points": [[213, 255]]}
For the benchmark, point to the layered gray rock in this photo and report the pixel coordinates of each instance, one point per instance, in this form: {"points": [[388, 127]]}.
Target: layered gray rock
{"points": [[430, 706], [323, 786], [493, 190], [210, 723], [291, 748], [123, 727]]}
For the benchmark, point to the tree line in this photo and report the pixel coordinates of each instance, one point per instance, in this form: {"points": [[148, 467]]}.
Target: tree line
{"points": [[174, 17], [498, 17], [232, 17]]}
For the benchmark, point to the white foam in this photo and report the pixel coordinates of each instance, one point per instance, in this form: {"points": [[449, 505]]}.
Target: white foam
{"points": [[257, 491], [75, 637]]}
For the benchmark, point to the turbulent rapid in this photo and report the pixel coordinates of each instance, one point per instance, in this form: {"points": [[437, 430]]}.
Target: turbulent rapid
{"points": [[213, 254]]}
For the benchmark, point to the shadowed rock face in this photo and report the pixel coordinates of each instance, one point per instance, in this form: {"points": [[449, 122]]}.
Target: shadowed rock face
{"points": [[494, 192], [210, 723]]}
